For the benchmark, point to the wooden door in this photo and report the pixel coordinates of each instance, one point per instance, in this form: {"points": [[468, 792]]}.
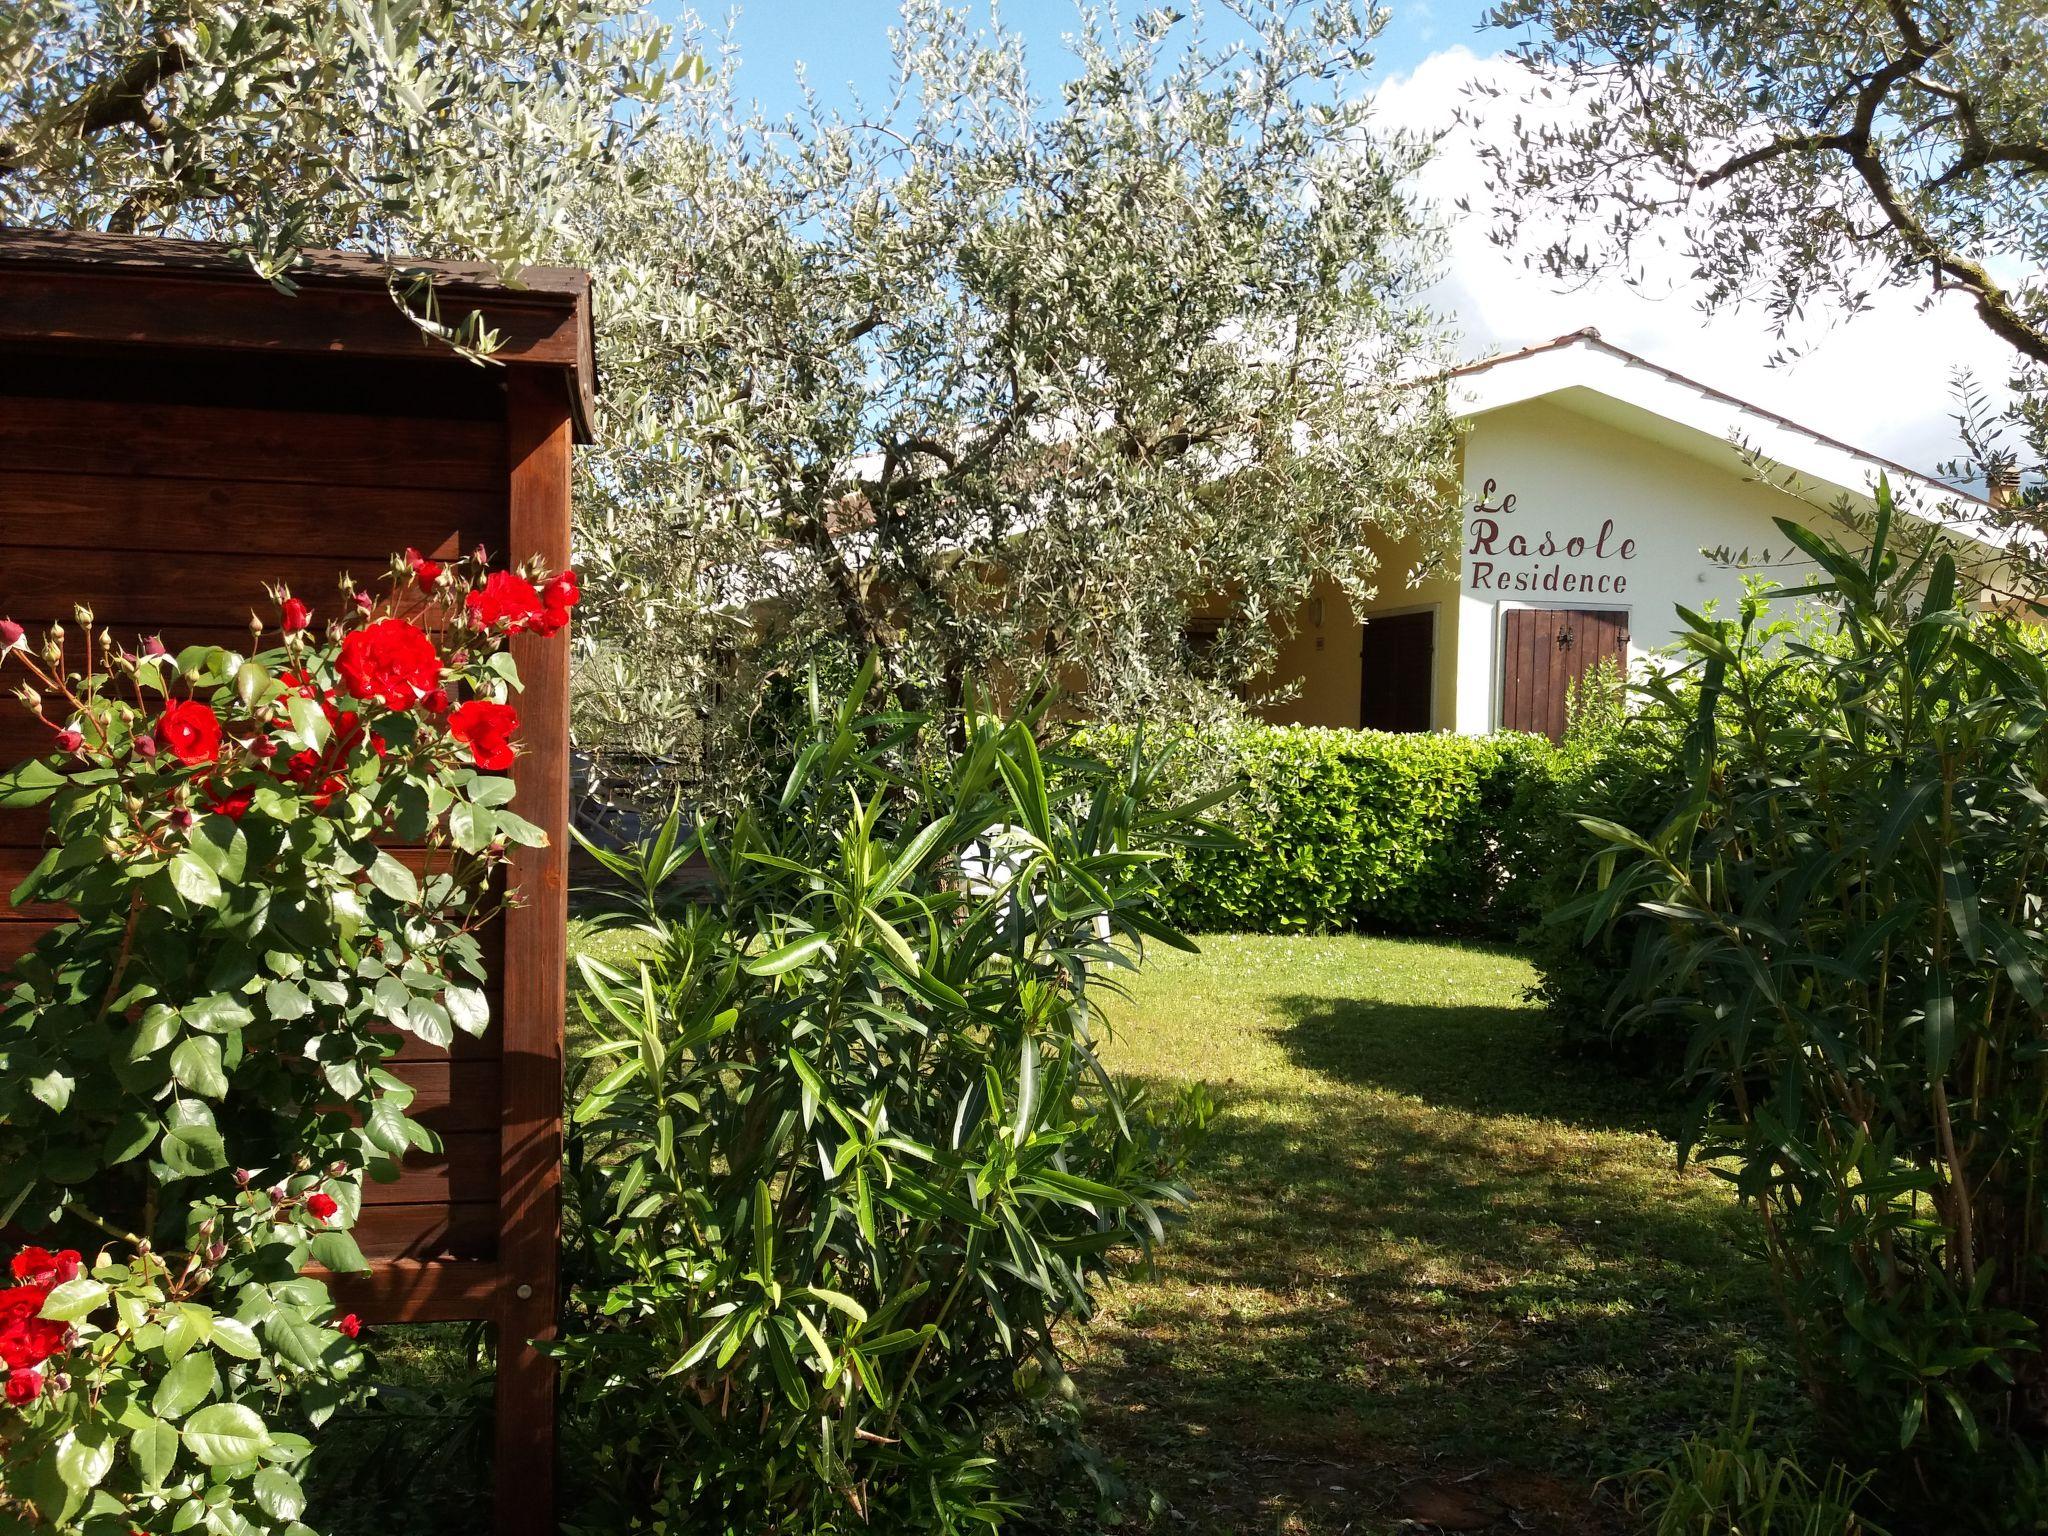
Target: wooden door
{"points": [[1544, 651], [1396, 660]]}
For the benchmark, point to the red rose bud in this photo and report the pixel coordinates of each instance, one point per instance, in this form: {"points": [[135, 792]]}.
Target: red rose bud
{"points": [[24, 1387], [296, 616], [244, 1177], [322, 1206], [183, 819], [263, 747], [70, 740], [365, 602], [349, 1327], [154, 646], [215, 1252], [11, 635], [145, 747], [426, 572]]}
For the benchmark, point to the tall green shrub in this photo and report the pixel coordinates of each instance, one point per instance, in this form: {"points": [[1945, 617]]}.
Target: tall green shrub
{"points": [[1847, 912], [1344, 829], [843, 1152]]}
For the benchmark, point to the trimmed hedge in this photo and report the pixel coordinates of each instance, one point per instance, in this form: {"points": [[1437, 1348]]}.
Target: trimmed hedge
{"points": [[1364, 829]]}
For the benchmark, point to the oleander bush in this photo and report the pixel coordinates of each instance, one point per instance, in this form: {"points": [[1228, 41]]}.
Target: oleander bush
{"points": [[1339, 829], [192, 1065], [843, 1155], [1845, 903]]}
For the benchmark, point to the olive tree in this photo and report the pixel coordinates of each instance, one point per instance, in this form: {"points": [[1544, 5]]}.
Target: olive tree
{"points": [[998, 382], [1805, 153], [407, 128]]}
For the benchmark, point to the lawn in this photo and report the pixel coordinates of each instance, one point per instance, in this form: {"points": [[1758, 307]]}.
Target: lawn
{"points": [[1436, 1273]]}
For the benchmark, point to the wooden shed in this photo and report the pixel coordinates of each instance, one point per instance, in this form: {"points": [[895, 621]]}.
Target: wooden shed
{"points": [[175, 432]]}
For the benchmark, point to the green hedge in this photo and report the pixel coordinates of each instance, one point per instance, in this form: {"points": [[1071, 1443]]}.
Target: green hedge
{"points": [[1363, 829]]}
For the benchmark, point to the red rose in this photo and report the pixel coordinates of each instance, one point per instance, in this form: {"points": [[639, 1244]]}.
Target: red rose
{"points": [[436, 703], [24, 1387], [322, 1206], [487, 729], [70, 739], [425, 571], [190, 732], [27, 1340], [506, 599], [563, 592], [231, 803], [11, 635], [296, 616], [390, 661], [349, 1327], [557, 598], [39, 1266]]}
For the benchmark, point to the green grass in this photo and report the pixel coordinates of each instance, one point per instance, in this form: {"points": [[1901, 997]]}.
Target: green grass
{"points": [[1435, 1272]]}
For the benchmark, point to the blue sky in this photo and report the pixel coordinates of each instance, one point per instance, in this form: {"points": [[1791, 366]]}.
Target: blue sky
{"points": [[846, 41]]}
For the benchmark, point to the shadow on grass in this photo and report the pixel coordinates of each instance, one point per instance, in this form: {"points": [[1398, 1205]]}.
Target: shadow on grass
{"points": [[1431, 1052], [1450, 1254]]}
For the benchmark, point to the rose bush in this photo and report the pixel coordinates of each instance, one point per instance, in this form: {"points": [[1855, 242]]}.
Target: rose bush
{"points": [[193, 1066]]}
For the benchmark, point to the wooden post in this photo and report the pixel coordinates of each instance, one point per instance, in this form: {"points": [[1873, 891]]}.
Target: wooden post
{"points": [[536, 947]]}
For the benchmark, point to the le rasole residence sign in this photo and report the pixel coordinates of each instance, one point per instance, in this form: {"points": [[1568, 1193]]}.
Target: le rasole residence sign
{"points": [[1500, 557]]}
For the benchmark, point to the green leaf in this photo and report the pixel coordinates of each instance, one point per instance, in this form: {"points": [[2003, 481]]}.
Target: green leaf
{"points": [[385, 1127], [192, 1146], [153, 1448], [309, 722], [472, 826], [337, 1251], [278, 1494], [196, 1065], [300, 1341], [469, 1009], [227, 1434], [27, 784], [393, 878], [84, 1457], [132, 1134], [233, 1337], [194, 881], [789, 956], [74, 1299], [186, 1385]]}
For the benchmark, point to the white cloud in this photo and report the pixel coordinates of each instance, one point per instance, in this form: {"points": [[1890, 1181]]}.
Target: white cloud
{"points": [[1878, 380]]}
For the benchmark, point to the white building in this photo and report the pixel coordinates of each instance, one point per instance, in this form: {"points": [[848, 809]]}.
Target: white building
{"points": [[1601, 491]]}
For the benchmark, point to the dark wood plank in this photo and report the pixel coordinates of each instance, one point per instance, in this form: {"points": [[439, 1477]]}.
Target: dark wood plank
{"points": [[465, 1170], [128, 592], [356, 526], [536, 982], [453, 1097], [428, 1232], [409, 1291], [193, 310], [215, 443]]}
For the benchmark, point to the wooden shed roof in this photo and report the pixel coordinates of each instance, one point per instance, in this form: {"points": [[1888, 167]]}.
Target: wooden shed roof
{"points": [[137, 290]]}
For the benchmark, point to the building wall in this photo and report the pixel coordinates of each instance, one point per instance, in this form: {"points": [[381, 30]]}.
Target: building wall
{"points": [[1599, 518], [1319, 648]]}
